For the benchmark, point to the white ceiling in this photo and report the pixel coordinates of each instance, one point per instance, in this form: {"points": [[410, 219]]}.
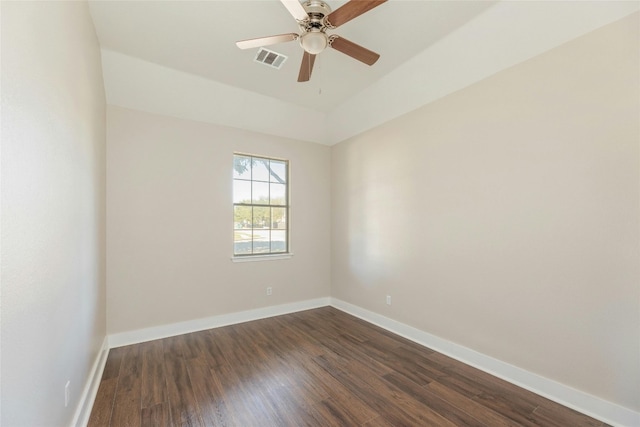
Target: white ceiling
{"points": [[199, 37], [179, 58]]}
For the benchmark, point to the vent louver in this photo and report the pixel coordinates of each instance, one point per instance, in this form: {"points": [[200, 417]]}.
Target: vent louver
{"points": [[270, 58]]}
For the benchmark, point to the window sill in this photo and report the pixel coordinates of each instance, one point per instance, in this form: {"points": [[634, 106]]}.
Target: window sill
{"points": [[251, 258]]}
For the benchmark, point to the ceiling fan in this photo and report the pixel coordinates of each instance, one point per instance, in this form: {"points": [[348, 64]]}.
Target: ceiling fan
{"points": [[314, 18]]}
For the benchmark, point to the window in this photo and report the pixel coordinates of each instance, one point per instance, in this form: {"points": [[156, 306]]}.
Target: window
{"points": [[260, 205]]}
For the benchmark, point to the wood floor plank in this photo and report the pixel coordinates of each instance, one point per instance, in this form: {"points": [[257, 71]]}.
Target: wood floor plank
{"points": [[331, 339], [506, 406], [154, 383], [340, 413], [378, 421], [114, 361], [156, 416], [403, 365], [350, 406], [291, 371], [298, 341], [233, 348], [312, 382], [247, 375], [358, 329], [126, 406], [363, 391], [283, 387], [210, 349], [103, 406], [562, 416], [502, 397], [182, 404], [208, 393], [443, 408], [489, 382], [398, 408], [318, 367], [470, 406], [241, 406]]}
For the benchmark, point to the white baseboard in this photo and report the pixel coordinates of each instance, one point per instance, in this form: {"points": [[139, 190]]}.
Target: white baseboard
{"points": [[164, 331], [83, 410], [580, 401]]}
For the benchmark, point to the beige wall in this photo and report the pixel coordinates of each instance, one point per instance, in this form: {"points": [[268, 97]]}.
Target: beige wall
{"points": [[505, 217], [169, 219], [53, 209]]}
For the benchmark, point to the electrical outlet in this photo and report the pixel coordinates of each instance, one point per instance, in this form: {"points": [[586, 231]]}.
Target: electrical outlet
{"points": [[269, 290], [388, 299], [66, 393]]}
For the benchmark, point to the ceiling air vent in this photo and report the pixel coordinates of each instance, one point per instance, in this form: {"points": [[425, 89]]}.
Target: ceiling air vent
{"points": [[270, 58]]}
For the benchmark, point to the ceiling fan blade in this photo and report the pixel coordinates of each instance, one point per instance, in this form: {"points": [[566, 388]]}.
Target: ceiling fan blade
{"points": [[266, 41], [355, 51], [351, 10], [306, 67], [295, 9]]}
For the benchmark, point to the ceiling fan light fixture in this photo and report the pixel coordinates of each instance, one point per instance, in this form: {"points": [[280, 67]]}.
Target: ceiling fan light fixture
{"points": [[314, 42]]}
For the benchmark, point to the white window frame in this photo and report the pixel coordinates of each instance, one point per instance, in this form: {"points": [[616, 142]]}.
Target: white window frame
{"points": [[263, 256]]}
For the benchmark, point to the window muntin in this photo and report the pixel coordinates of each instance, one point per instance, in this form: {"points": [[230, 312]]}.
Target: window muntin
{"points": [[260, 205]]}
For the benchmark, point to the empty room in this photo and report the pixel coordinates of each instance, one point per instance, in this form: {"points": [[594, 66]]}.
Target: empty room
{"points": [[320, 213]]}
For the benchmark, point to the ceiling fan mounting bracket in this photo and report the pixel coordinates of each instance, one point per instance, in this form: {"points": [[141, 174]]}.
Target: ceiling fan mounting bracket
{"points": [[317, 11], [316, 7]]}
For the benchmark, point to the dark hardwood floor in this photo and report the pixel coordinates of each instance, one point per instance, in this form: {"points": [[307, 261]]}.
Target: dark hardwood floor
{"points": [[314, 368]]}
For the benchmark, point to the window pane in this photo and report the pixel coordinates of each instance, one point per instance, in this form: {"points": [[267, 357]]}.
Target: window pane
{"points": [[242, 242], [279, 218], [242, 167], [241, 191], [278, 171], [261, 241], [260, 169], [261, 192], [261, 217], [260, 196], [278, 241], [278, 194], [242, 217]]}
